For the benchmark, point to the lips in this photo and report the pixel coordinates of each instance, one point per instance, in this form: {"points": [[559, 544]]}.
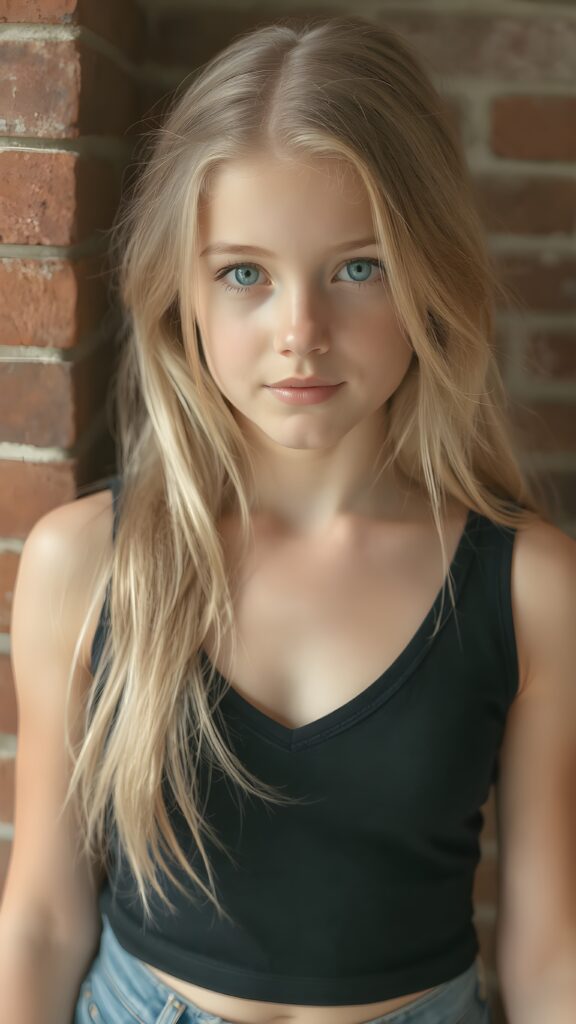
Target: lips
{"points": [[309, 382]]}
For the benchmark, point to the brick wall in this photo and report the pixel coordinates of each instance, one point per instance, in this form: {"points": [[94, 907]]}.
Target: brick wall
{"points": [[508, 69], [69, 100]]}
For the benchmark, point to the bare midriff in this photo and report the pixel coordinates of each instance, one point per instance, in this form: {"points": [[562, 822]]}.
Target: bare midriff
{"points": [[235, 1010]]}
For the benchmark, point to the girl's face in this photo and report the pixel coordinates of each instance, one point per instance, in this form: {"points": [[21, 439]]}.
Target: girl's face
{"points": [[316, 303]]}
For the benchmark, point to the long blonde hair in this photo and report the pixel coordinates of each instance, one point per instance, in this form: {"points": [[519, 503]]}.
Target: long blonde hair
{"points": [[345, 88]]}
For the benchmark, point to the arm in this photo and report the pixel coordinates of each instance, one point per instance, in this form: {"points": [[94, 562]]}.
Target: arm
{"points": [[39, 981], [49, 920], [536, 793]]}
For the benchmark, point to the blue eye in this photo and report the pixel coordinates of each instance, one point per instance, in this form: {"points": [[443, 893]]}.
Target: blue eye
{"points": [[243, 270], [246, 270], [356, 264]]}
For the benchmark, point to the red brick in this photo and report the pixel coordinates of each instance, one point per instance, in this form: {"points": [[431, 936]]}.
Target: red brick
{"points": [[52, 404], [54, 198], [37, 403], [8, 567], [551, 354], [28, 106], [51, 301], [121, 23], [527, 206], [534, 127], [30, 489], [544, 281], [7, 789], [8, 706], [52, 89], [38, 10]]}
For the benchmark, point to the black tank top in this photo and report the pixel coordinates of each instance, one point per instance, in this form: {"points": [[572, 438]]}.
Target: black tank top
{"points": [[365, 891]]}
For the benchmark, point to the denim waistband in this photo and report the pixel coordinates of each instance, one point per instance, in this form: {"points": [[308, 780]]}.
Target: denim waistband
{"points": [[146, 998]]}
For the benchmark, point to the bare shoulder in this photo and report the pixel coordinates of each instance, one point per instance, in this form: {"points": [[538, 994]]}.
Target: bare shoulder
{"points": [[535, 790], [66, 524], [543, 588], [54, 894], [70, 542]]}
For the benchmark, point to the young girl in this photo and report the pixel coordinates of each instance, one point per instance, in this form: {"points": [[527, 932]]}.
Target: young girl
{"points": [[318, 613]]}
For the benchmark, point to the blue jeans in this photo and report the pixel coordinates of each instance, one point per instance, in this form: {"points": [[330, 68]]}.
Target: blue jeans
{"points": [[119, 989]]}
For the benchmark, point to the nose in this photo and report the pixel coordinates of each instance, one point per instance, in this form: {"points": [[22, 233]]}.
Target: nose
{"points": [[301, 329]]}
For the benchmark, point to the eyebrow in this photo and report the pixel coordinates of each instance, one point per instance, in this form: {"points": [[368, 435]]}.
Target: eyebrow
{"points": [[231, 247]]}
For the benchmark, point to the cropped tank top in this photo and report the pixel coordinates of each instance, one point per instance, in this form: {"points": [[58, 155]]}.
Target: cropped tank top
{"points": [[364, 891]]}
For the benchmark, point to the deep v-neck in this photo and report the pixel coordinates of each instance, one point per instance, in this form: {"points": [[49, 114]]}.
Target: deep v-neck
{"points": [[234, 705]]}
